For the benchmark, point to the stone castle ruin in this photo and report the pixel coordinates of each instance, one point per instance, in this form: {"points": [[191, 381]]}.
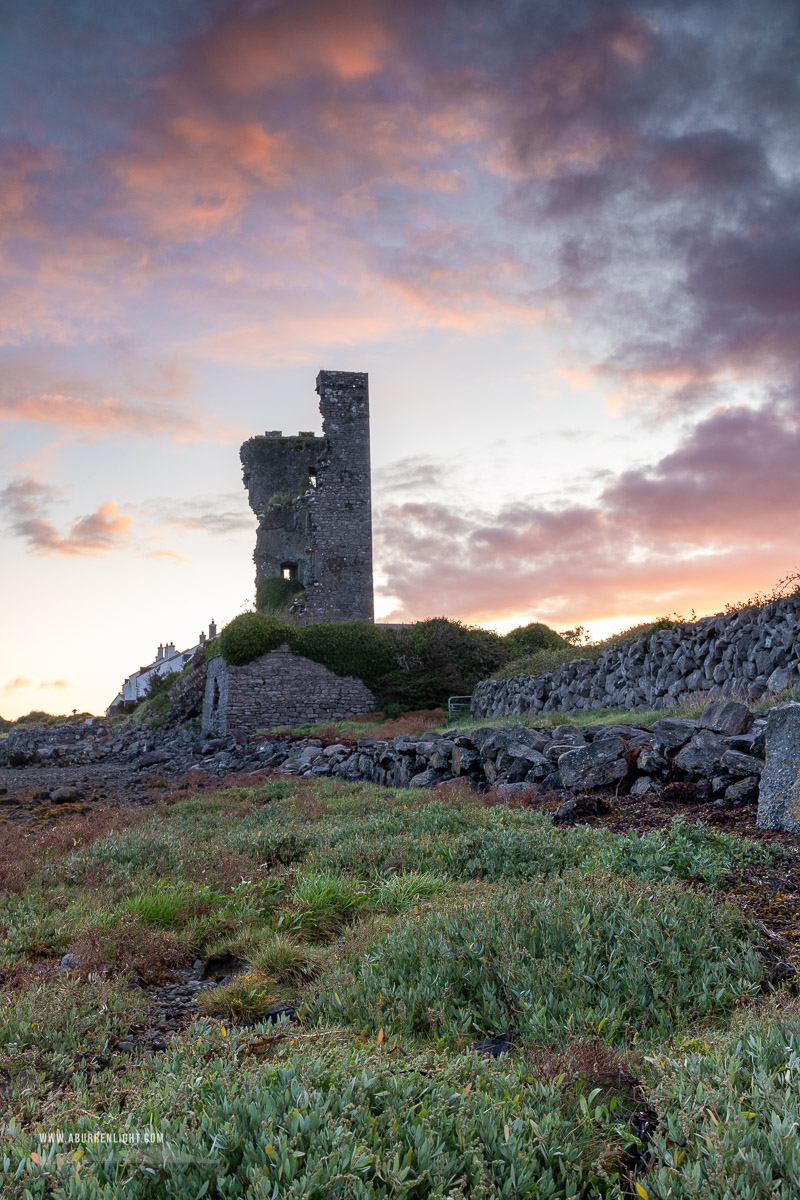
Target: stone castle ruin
{"points": [[312, 497]]}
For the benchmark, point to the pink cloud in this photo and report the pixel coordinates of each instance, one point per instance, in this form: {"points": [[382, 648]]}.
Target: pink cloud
{"points": [[252, 50], [25, 500], [695, 530]]}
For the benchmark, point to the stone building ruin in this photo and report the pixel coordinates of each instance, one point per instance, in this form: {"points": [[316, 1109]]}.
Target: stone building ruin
{"points": [[312, 497]]}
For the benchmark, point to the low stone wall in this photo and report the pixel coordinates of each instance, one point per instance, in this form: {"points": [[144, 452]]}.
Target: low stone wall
{"points": [[721, 756], [748, 654], [279, 688], [51, 744]]}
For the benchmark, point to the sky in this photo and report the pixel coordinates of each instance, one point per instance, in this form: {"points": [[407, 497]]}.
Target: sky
{"points": [[562, 238]]}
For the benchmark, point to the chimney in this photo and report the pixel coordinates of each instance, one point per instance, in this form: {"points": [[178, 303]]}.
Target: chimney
{"points": [[202, 638], [212, 630], [160, 653]]}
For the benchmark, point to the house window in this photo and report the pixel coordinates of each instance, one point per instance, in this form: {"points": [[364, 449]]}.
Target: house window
{"points": [[289, 570]]}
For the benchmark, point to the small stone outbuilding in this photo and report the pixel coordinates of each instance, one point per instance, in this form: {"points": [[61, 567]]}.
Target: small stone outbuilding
{"points": [[279, 688]]}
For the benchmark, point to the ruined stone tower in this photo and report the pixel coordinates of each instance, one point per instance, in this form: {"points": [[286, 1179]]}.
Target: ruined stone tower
{"points": [[312, 497]]}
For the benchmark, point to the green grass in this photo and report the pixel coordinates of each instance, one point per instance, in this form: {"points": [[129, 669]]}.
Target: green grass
{"points": [[403, 927]]}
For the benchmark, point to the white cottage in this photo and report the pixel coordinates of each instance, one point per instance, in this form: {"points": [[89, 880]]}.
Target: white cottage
{"points": [[167, 661]]}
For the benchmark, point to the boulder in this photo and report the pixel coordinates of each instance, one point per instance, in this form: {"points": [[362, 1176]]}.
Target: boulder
{"points": [[426, 779], [63, 795], [601, 764], [744, 791], [643, 786], [741, 765], [728, 717], [779, 792], [702, 756], [673, 732], [464, 760]]}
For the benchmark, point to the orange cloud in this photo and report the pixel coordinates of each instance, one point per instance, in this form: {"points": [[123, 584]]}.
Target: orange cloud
{"points": [[196, 174], [24, 502], [251, 51], [15, 684]]}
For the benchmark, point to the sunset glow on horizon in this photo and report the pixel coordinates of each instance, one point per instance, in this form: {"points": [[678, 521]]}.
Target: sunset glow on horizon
{"points": [[563, 239]]}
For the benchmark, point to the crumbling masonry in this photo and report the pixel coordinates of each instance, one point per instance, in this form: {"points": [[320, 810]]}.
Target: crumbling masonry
{"points": [[312, 498]]}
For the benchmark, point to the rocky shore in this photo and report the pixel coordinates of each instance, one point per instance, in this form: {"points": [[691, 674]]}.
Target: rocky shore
{"points": [[721, 755]]}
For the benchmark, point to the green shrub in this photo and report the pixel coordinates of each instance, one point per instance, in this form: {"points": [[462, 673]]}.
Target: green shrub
{"points": [[622, 958], [438, 658], [527, 639], [541, 661], [159, 685], [730, 1111], [250, 635], [356, 648], [276, 595], [333, 1120]]}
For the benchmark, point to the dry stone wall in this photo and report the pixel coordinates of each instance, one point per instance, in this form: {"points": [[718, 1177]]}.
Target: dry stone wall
{"points": [[279, 688], [748, 654]]}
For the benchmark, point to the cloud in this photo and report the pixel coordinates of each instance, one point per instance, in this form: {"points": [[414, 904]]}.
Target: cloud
{"points": [[219, 515], [56, 683], [718, 512], [25, 500], [15, 684], [254, 48]]}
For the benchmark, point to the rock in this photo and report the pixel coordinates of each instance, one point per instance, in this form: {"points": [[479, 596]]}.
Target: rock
{"points": [[779, 793], [643, 785], [726, 716], [63, 795], [426, 779], [68, 963], [463, 760], [651, 761], [152, 758], [600, 764], [220, 965], [493, 1047], [579, 806], [701, 757], [781, 679], [744, 791], [739, 765], [673, 732]]}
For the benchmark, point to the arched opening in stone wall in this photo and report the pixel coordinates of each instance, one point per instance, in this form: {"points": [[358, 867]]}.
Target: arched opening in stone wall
{"points": [[215, 697]]}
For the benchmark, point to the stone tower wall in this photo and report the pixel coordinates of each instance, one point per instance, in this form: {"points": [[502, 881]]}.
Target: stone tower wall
{"points": [[312, 496]]}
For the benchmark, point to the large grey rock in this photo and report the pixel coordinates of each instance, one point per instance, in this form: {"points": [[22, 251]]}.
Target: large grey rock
{"points": [[779, 791], [726, 716], [672, 732], [740, 765], [701, 757], [598, 765]]}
